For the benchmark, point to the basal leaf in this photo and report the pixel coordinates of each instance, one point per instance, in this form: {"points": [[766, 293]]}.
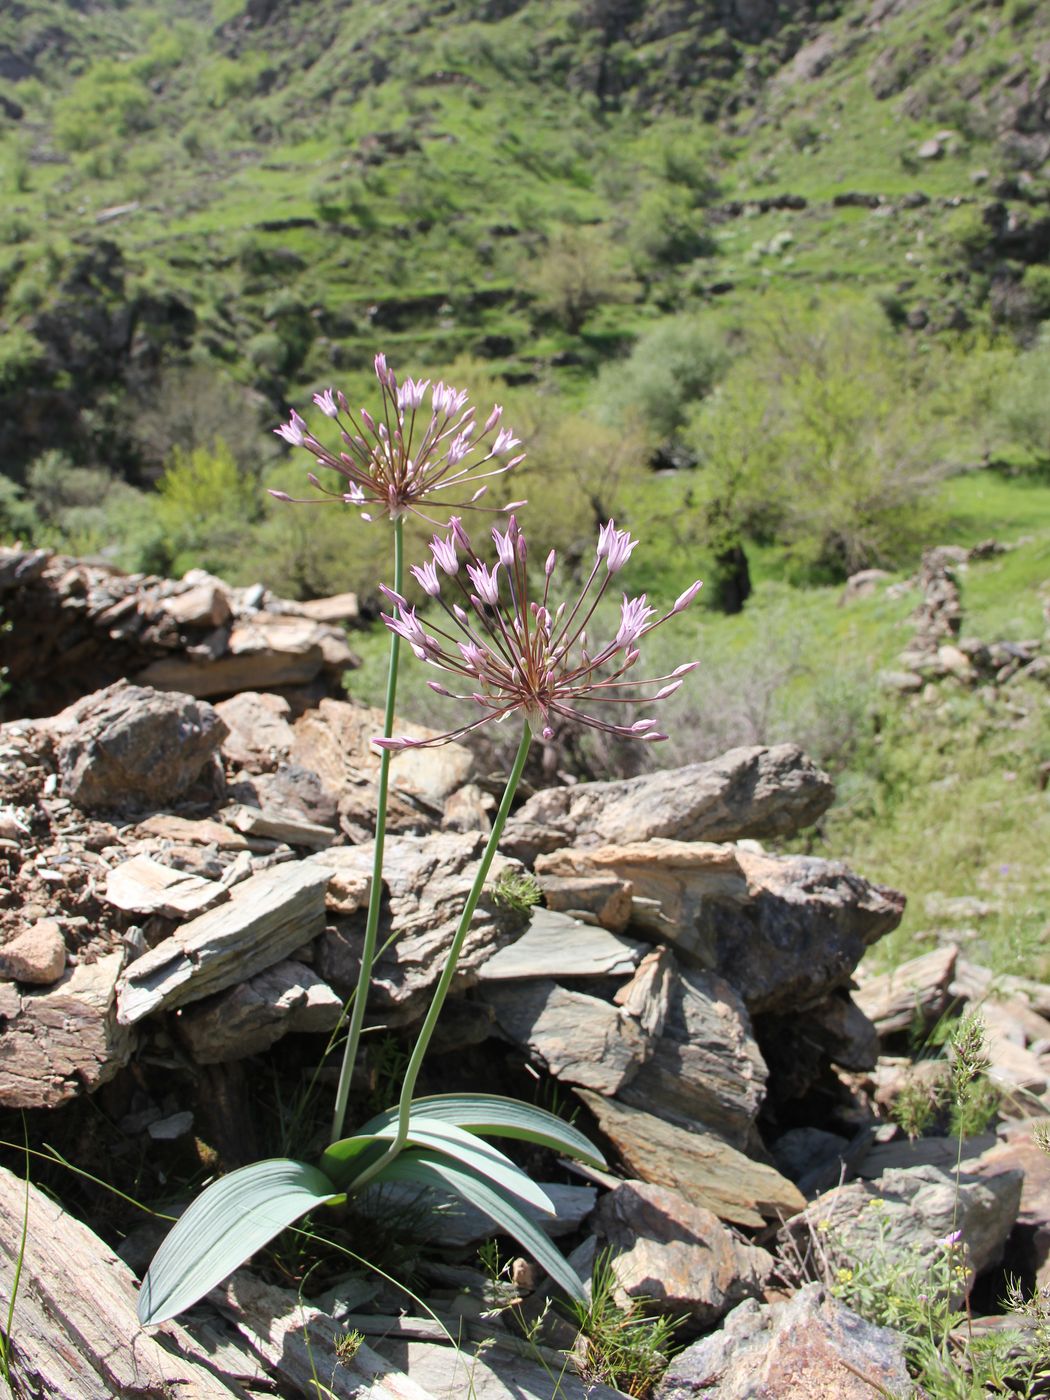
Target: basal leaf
{"points": [[477, 1154], [422, 1167], [345, 1158], [223, 1227], [498, 1117]]}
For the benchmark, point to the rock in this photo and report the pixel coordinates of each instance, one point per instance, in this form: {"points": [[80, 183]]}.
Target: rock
{"points": [[864, 584], [250, 1017], [468, 808], [919, 1209], [800, 1151], [577, 1038], [78, 1335], [783, 930], [144, 886], [427, 880], [65, 1041], [706, 1065], [290, 791], [340, 607], [260, 733], [942, 1152], [605, 899], [704, 1168], [205, 605], [676, 1255], [185, 831], [915, 990], [268, 917], [747, 792], [808, 1348], [931, 149], [262, 653], [647, 996], [276, 825], [128, 746], [37, 956], [555, 945], [335, 742], [957, 664], [1020, 1151]]}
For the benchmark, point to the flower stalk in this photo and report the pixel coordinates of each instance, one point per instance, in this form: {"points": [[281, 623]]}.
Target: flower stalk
{"points": [[375, 894]]}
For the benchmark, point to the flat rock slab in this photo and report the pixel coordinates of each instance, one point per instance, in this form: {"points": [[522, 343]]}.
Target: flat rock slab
{"points": [[916, 989], [268, 917], [576, 1037], [555, 945], [64, 1041], [129, 745], [487, 1373], [262, 653], [699, 1165], [75, 1333], [783, 930], [706, 1065], [144, 886], [808, 1348], [278, 826], [746, 792], [677, 1256], [299, 1342]]}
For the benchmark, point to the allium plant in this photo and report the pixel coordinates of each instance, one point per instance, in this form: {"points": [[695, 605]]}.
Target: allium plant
{"points": [[511, 654], [403, 460]]}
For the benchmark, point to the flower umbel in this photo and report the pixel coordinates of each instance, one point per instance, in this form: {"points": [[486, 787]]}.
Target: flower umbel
{"points": [[406, 458], [510, 653]]}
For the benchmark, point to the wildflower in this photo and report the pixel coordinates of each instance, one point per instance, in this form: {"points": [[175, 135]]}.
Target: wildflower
{"points": [[950, 1241], [511, 653], [876, 1203], [404, 459], [844, 1275]]}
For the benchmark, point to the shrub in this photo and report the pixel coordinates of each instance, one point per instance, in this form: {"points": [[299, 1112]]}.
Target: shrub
{"points": [[671, 368], [1023, 412], [577, 272], [818, 439]]}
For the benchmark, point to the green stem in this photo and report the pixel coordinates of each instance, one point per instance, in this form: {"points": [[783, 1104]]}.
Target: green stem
{"points": [[448, 972], [375, 896]]}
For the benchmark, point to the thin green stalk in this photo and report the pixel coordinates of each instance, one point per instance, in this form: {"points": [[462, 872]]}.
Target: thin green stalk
{"points": [[375, 897], [448, 972]]}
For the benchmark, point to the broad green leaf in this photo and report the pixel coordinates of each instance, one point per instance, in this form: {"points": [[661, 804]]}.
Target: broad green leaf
{"points": [[342, 1160], [499, 1117], [421, 1167], [481, 1156], [223, 1227]]}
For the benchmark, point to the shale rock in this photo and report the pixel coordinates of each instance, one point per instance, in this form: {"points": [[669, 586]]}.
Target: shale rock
{"points": [[783, 930], [131, 746], [426, 879], [809, 1348], [752, 792], [675, 1254]]}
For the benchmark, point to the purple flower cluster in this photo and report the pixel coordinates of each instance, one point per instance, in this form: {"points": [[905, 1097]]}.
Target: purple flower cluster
{"points": [[511, 653], [405, 457]]}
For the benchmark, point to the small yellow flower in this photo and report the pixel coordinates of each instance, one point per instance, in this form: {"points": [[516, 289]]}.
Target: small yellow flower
{"points": [[823, 1226], [844, 1275], [876, 1203]]}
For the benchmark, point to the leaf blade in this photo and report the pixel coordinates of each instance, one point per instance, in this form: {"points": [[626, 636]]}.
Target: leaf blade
{"points": [[225, 1225], [499, 1117], [424, 1168], [472, 1151]]}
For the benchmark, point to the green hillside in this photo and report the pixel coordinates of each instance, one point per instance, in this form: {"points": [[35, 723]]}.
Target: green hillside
{"points": [[273, 188]]}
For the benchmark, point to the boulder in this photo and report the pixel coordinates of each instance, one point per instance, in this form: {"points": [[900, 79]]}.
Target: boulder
{"points": [[250, 1017], [706, 1064], [752, 792], [63, 1041], [784, 931], [36, 957], [131, 746], [808, 1348], [916, 1208], [575, 1037], [676, 1255]]}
